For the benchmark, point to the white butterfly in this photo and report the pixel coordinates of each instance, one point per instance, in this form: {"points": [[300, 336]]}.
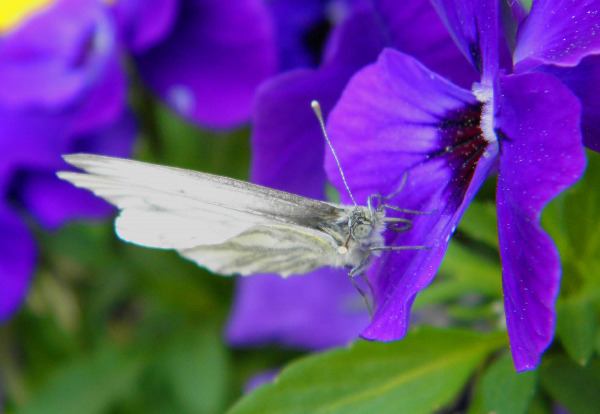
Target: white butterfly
{"points": [[231, 226]]}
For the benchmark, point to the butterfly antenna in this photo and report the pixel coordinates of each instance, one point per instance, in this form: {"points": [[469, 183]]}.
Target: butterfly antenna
{"points": [[363, 294], [316, 107]]}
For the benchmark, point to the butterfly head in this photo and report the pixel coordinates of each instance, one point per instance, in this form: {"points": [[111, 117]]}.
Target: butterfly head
{"points": [[365, 228], [361, 226]]}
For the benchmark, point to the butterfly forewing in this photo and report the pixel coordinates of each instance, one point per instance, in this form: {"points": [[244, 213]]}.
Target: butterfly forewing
{"points": [[227, 225]]}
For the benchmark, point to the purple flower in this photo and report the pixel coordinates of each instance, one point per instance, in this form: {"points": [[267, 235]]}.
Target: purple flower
{"points": [[205, 58], [399, 118], [63, 90], [316, 311], [563, 38], [322, 309], [301, 28]]}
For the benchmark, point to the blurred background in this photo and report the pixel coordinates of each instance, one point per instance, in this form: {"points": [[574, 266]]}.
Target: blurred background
{"points": [[90, 324]]}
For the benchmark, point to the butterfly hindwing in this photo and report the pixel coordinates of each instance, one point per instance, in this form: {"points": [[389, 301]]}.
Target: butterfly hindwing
{"points": [[284, 249]]}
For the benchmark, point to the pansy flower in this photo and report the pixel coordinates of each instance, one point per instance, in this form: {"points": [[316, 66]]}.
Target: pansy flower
{"points": [[204, 58], [62, 89], [302, 28], [322, 309], [563, 38], [398, 118]]}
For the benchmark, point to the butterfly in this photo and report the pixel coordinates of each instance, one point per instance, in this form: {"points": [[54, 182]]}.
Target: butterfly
{"points": [[235, 227]]}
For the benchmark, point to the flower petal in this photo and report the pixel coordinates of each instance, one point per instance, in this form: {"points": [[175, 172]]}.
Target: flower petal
{"points": [[300, 26], [17, 262], [396, 117], [233, 51], [53, 201], [474, 26], [416, 29], [55, 55], [540, 156], [314, 311], [558, 32], [105, 100], [29, 139], [288, 146], [583, 80], [144, 23]]}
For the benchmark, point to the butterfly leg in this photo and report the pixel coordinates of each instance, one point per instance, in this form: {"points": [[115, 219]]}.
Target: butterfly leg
{"points": [[398, 224], [359, 271], [360, 268], [399, 189], [363, 294], [374, 203], [398, 248], [405, 210]]}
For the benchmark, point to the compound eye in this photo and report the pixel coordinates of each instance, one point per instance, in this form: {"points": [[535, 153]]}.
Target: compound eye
{"points": [[361, 231]]}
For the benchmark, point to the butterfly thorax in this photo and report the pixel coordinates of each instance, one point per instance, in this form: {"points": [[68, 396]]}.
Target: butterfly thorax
{"points": [[357, 232]]}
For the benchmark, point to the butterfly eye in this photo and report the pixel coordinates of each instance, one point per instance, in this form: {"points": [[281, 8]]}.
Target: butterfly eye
{"points": [[361, 231]]}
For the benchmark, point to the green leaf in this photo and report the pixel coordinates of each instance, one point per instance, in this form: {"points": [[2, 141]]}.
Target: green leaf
{"points": [[576, 388], [177, 142], [576, 328], [582, 205], [502, 390], [539, 405], [462, 272], [196, 368], [572, 221], [88, 385], [479, 222], [177, 283], [74, 247], [420, 374]]}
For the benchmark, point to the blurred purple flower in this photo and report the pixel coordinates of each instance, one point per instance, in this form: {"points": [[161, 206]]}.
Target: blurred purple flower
{"points": [[62, 90], [322, 309], [397, 117], [562, 38], [205, 58], [302, 27]]}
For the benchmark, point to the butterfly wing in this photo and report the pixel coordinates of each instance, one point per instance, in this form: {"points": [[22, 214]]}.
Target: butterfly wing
{"points": [[173, 208], [284, 249]]}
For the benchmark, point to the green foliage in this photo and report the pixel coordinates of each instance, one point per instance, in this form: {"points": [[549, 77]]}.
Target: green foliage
{"points": [[90, 384], [172, 141], [574, 387], [463, 272], [572, 220], [502, 391], [196, 368], [577, 327], [479, 222], [418, 375]]}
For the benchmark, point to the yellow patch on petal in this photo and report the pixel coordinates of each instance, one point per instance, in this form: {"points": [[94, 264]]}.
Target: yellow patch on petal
{"points": [[13, 12]]}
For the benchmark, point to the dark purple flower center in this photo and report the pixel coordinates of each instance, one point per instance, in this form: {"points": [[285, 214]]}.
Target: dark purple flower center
{"points": [[314, 39], [462, 141]]}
